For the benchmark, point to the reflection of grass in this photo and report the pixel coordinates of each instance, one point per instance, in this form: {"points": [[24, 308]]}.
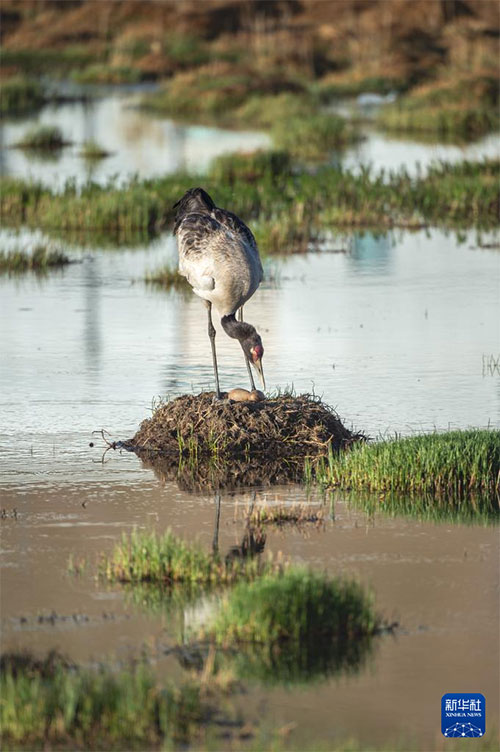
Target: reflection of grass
{"points": [[477, 509], [298, 607], [148, 557], [19, 94], [296, 663], [282, 514], [40, 260], [455, 464], [51, 704], [42, 137]]}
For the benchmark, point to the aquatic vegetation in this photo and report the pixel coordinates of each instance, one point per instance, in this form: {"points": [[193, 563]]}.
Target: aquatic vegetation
{"points": [[103, 73], [93, 152], [168, 277], [451, 108], [166, 559], [43, 137], [315, 136], [455, 463], [285, 207], [35, 61], [296, 607], [20, 94], [41, 259], [50, 702]]}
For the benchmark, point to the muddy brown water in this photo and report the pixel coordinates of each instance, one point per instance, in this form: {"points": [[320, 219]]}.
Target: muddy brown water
{"points": [[400, 332]]}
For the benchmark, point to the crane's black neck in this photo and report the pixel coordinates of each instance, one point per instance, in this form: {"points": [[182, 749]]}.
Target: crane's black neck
{"points": [[239, 330]]}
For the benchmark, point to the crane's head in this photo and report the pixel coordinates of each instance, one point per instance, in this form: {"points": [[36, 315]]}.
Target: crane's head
{"points": [[196, 201], [254, 350]]}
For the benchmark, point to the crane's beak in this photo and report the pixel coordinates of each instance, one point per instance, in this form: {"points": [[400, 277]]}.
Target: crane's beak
{"points": [[258, 367]]}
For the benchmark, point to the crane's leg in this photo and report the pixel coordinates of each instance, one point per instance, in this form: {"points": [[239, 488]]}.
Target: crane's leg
{"points": [[211, 334], [249, 367]]}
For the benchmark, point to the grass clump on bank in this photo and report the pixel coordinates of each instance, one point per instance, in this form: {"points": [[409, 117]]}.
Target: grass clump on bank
{"points": [[41, 259], [452, 108], [453, 463], [168, 560], [20, 94], [286, 206], [43, 138], [48, 703]]}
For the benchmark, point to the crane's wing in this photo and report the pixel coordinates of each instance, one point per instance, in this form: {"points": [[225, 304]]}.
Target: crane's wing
{"points": [[236, 226], [202, 243]]}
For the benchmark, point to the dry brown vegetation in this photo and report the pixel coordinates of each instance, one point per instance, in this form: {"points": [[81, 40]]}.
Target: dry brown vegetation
{"points": [[395, 39], [284, 426]]}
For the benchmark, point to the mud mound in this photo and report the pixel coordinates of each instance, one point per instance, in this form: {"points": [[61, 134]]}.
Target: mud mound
{"points": [[287, 426]]}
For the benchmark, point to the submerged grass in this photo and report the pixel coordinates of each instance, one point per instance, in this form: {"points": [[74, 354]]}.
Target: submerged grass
{"points": [[41, 259], [283, 514], [49, 703], [166, 559], [455, 464]]}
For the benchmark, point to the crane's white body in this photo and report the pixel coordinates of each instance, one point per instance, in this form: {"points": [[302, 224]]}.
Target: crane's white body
{"points": [[218, 256]]}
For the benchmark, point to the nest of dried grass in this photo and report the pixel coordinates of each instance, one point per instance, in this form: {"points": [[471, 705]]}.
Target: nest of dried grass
{"points": [[286, 426]]}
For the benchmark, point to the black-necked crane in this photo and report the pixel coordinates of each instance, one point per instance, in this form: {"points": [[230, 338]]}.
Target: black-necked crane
{"points": [[219, 257]]}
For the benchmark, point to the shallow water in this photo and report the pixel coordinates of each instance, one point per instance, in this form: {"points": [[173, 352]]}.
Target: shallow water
{"points": [[400, 332], [139, 144], [148, 146]]}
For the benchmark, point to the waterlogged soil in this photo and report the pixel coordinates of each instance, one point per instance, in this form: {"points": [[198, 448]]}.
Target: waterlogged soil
{"points": [[439, 581]]}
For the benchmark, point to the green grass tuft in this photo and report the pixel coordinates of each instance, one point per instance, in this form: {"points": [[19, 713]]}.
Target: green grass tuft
{"points": [[298, 606], [43, 137], [456, 463], [166, 559], [51, 704], [93, 152]]}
